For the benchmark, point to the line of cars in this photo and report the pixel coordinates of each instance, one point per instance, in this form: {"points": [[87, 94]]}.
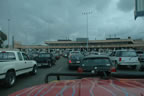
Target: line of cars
{"points": [[96, 62], [14, 63]]}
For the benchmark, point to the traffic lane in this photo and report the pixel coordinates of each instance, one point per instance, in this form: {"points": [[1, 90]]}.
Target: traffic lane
{"points": [[26, 80], [63, 69]]}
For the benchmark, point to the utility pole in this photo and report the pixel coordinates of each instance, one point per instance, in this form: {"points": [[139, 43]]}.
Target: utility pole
{"points": [[87, 25], [13, 42]]}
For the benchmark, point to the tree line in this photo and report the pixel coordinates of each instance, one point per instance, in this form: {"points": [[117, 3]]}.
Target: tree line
{"points": [[3, 37]]}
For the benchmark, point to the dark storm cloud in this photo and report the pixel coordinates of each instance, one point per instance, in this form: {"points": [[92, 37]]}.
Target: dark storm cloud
{"points": [[34, 21], [126, 5]]}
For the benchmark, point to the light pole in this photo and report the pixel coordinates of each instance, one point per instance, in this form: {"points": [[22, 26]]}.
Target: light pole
{"points": [[8, 33], [87, 24]]}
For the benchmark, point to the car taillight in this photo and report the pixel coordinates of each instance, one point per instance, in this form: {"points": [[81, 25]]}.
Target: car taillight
{"points": [[113, 69], [80, 70], [3, 51], [120, 59], [70, 61]]}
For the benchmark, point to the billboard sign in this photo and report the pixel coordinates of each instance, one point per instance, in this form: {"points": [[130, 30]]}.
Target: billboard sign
{"points": [[139, 8]]}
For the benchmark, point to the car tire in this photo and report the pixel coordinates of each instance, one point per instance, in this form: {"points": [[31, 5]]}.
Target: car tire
{"points": [[108, 74], [53, 62], [116, 65], [70, 67], [138, 68], [49, 65], [34, 71], [10, 79]]}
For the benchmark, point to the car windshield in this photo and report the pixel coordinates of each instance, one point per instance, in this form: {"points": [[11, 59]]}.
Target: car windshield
{"points": [[7, 56], [127, 54], [76, 56], [44, 55], [98, 61]]}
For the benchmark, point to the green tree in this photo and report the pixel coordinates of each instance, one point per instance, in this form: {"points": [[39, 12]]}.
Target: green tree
{"points": [[3, 37]]}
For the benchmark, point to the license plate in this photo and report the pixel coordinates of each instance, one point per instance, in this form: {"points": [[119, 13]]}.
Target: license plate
{"points": [[93, 71], [95, 68], [77, 61]]}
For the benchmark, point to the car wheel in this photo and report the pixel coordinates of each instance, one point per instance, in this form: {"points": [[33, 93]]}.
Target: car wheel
{"points": [[117, 65], [34, 71], [54, 62], [50, 64], [10, 79], [70, 68], [138, 68], [108, 74]]}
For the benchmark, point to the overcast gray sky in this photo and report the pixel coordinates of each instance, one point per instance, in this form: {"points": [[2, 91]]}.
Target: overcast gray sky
{"points": [[35, 21]]}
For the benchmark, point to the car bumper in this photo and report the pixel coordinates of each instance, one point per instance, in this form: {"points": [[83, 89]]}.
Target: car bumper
{"points": [[42, 64], [127, 63], [97, 69], [74, 65]]}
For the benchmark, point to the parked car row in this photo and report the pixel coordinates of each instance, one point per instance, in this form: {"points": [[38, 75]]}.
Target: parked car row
{"points": [[95, 61]]}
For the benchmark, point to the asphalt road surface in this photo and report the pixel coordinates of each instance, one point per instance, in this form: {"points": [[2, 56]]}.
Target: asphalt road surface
{"points": [[26, 80]]}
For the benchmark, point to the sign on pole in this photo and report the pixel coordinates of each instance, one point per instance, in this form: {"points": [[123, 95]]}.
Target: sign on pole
{"points": [[139, 8]]}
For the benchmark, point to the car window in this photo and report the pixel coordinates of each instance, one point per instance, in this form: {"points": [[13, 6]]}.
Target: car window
{"points": [[112, 54], [96, 61], [7, 56], [25, 56], [127, 54], [44, 55], [19, 56]]}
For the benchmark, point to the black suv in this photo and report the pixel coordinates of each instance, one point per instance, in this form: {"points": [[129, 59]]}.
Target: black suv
{"points": [[96, 64], [46, 59]]}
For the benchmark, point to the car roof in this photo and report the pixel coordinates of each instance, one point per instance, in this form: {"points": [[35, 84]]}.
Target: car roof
{"points": [[9, 51], [44, 53], [124, 50]]}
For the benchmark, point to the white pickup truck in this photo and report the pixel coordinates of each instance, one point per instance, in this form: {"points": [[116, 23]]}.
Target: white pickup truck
{"points": [[14, 63]]}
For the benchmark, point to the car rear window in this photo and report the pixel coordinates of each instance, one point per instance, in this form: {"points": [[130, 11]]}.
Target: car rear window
{"points": [[44, 55], [96, 61], [76, 56], [75, 52], [127, 54], [7, 56]]}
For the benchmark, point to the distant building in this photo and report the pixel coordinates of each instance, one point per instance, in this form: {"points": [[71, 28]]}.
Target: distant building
{"points": [[92, 44], [81, 39], [63, 40], [112, 38]]}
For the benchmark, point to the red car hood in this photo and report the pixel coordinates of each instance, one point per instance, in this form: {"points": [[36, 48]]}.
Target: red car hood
{"points": [[87, 87]]}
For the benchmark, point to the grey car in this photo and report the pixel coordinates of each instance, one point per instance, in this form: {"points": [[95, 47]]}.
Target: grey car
{"points": [[74, 60]]}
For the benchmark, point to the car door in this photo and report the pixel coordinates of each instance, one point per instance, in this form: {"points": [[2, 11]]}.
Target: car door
{"points": [[20, 64], [28, 62]]}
